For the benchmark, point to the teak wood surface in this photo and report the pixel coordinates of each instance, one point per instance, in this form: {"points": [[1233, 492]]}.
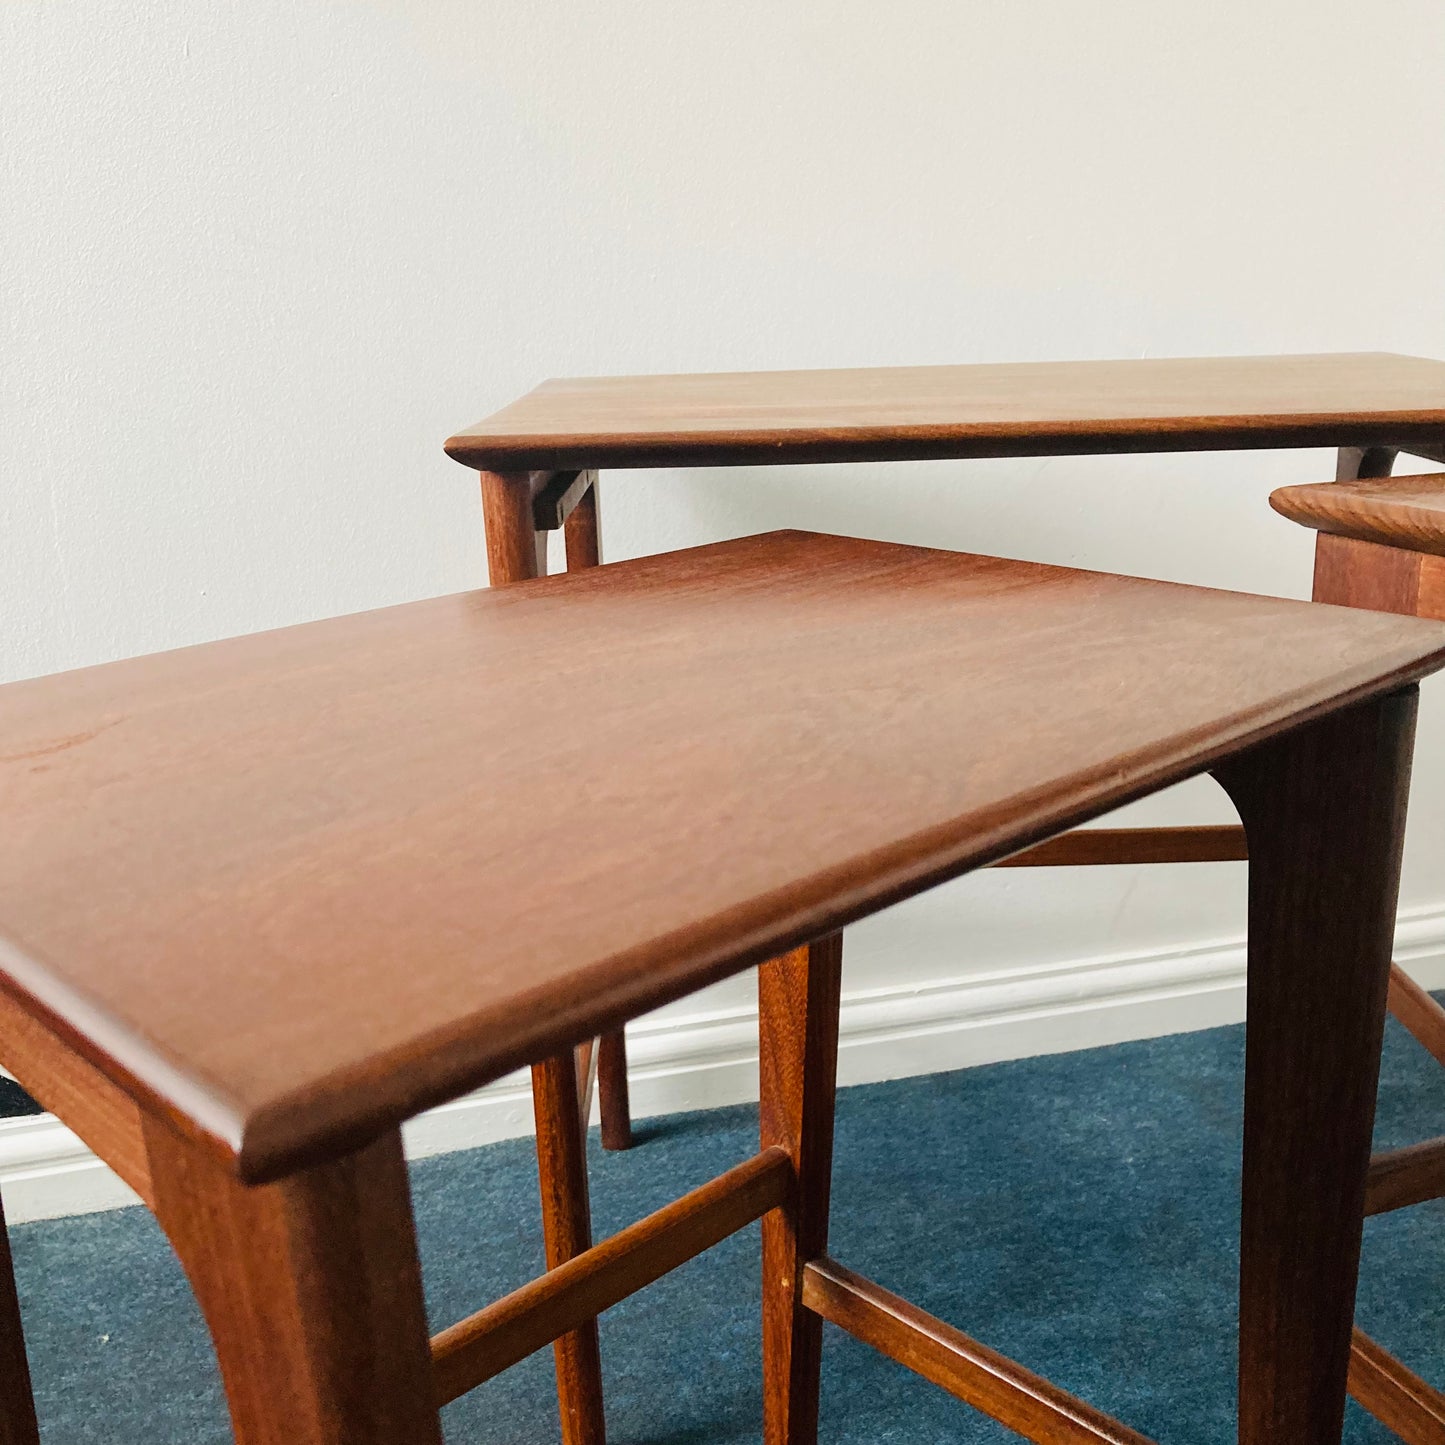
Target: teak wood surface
{"points": [[1402, 512], [901, 413], [323, 886]]}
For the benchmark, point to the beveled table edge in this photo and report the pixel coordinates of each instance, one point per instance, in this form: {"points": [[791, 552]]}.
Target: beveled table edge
{"points": [[1372, 509], [509, 447]]}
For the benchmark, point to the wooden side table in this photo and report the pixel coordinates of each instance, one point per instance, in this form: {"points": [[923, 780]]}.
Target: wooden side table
{"points": [[539, 460], [539, 457], [263, 900]]}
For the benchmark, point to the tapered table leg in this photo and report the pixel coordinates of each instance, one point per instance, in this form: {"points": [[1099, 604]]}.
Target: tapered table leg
{"points": [[312, 1291], [1324, 810], [567, 1228], [798, 997], [582, 535], [1354, 464], [516, 552]]}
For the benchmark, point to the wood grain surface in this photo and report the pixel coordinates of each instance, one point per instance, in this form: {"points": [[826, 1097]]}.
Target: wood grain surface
{"points": [[1406, 512], [1027, 409], [294, 887]]}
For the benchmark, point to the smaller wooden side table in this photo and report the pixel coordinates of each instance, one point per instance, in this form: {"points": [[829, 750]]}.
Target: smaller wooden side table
{"points": [[263, 900]]}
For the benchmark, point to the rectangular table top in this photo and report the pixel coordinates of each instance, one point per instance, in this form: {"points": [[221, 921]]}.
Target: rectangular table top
{"points": [[1023, 409], [293, 887]]}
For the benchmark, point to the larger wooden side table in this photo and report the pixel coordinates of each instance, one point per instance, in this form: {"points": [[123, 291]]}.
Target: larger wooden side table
{"points": [[539, 460], [263, 900]]}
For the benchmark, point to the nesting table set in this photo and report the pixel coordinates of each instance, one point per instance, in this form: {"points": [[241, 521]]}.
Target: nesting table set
{"points": [[263, 900]]}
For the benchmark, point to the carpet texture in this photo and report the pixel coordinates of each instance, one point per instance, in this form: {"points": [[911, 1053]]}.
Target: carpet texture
{"points": [[1077, 1212]]}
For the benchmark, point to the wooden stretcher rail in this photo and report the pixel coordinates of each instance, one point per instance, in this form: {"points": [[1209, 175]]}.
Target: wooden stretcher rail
{"points": [[1399, 1178], [553, 504], [1394, 1394], [495, 1338], [586, 1078], [1432, 452], [1096, 846], [981, 1377], [1419, 1013]]}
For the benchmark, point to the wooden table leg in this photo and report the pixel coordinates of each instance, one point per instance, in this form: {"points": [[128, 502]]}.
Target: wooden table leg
{"points": [[567, 1229], [516, 552], [798, 1027], [582, 534], [1353, 464], [1324, 809], [17, 1400], [312, 1290], [614, 1104]]}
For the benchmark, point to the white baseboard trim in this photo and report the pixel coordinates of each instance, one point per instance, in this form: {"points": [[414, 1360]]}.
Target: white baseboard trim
{"points": [[704, 1060]]}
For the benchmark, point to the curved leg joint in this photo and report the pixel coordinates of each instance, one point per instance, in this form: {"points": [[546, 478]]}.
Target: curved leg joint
{"points": [[312, 1290]]}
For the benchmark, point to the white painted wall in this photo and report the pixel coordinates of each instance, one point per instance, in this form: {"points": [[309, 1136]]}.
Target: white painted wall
{"points": [[257, 260]]}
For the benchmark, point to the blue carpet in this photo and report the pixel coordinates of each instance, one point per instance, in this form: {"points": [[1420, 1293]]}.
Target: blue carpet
{"points": [[1077, 1212]]}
